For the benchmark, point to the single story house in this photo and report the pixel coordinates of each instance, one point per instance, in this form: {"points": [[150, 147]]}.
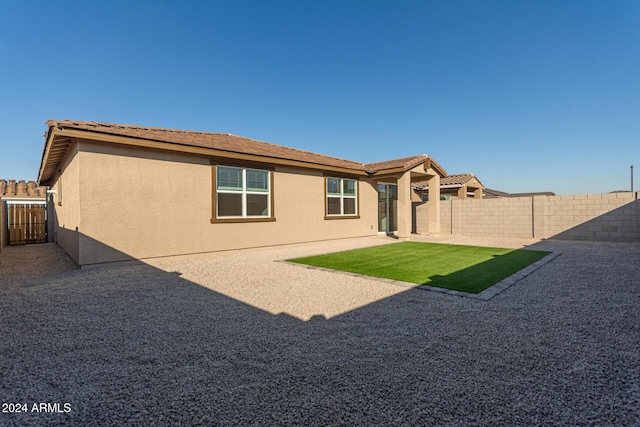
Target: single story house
{"points": [[123, 192], [458, 186]]}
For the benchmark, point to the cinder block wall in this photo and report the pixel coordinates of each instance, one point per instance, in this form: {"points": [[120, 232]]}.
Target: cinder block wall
{"points": [[613, 217], [480, 217], [509, 217], [602, 217], [422, 218]]}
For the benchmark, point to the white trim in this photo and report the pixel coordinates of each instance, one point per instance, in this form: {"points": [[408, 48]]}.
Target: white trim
{"points": [[244, 193], [24, 201], [341, 196]]}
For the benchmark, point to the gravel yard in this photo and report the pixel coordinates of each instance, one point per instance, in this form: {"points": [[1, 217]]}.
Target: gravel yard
{"points": [[235, 338]]}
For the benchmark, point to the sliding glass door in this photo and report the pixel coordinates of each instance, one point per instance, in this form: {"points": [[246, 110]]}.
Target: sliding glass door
{"points": [[387, 208]]}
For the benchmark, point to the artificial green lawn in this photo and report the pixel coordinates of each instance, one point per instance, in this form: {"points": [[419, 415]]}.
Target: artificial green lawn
{"points": [[463, 268]]}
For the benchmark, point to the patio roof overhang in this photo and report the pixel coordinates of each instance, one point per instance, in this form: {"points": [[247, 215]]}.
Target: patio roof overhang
{"points": [[425, 168]]}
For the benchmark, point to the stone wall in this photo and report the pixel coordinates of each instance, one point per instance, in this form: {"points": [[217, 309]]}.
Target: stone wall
{"points": [[611, 217]]}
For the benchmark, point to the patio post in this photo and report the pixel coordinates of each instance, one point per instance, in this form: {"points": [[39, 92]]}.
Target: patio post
{"points": [[404, 206], [434, 203]]}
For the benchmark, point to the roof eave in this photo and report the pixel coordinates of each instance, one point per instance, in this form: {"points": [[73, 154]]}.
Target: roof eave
{"points": [[429, 163], [45, 155], [172, 146], [388, 171]]}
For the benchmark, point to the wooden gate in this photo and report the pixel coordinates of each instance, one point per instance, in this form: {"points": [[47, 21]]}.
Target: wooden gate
{"points": [[27, 223]]}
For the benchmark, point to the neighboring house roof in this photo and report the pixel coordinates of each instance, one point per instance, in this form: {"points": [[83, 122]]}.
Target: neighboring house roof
{"points": [[61, 132], [457, 180], [21, 189], [495, 193]]}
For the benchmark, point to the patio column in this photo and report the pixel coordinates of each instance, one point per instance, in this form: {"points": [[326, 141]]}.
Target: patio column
{"points": [[462, 192], [477, 193], [404, 206], [434, 204]]}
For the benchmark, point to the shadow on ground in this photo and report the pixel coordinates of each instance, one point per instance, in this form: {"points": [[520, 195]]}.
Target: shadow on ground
{"points": [[484, 273], [136, 345]]}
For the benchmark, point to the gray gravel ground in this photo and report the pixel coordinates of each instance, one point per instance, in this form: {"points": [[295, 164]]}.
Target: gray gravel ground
{"points": [[235, 339]]}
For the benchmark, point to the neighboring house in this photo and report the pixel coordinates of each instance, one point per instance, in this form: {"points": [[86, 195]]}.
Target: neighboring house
{"points": [[489, 193], [127, 192], [460, 186], [22, 213]]}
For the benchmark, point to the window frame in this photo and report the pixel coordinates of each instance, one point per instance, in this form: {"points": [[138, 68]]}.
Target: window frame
{"points": [[342, 196], [244, 192]]}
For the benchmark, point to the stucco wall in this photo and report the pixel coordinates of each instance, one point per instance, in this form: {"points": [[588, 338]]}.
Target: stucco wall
{"points": [[66, 201], [141, 203], [602, 217]]}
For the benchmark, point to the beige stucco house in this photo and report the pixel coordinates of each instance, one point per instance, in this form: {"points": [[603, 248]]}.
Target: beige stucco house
{"points": [[123, 192]]}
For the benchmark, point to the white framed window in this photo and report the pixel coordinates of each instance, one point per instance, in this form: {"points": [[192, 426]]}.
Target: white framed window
{"points": [[341, 197], [242, 193]]}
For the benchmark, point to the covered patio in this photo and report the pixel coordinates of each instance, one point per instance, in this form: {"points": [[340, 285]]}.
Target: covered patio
{"points": [[395, 181]]}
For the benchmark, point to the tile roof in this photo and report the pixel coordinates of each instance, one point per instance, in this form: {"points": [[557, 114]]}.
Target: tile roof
{"points": [[211, 140], [457, 179], [13, 188], [219, 141], [405, 163]]}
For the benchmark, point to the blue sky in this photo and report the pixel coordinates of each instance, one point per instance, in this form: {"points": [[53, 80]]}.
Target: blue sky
{"points": [[528, 95]]}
